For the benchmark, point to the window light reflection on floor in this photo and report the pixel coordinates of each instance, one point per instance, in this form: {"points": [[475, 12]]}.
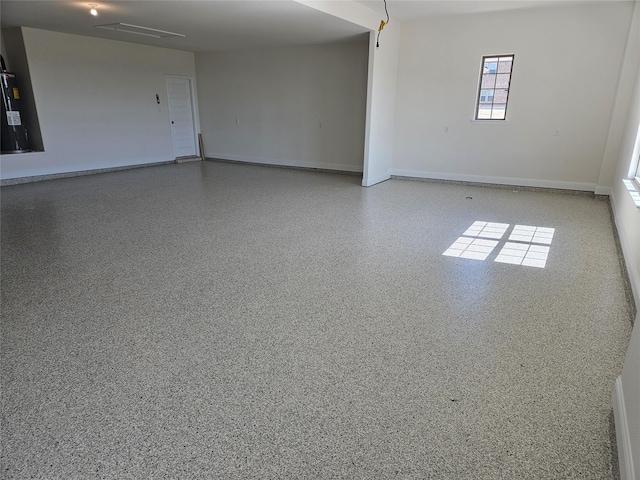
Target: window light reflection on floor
{"points": [[527, 233], [523, 254], [526, 245], [486, 230], [474, 248]]}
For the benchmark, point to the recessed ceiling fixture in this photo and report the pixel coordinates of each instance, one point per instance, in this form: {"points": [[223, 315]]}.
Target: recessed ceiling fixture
{"points": [[139, 30], [93, 10]]}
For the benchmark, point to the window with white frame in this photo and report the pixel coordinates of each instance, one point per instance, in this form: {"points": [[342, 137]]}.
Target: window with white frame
{"points": [[632, 183], [493, 90], [634, 166]]}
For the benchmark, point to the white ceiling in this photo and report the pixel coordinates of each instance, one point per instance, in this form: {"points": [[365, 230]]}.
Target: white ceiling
{"points": [[232, 24], [413, 10], [208, 25]]}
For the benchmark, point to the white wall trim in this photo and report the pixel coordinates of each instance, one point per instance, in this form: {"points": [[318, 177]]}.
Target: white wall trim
{"points": [[523, 182], [623, 439], [603, 190], [368, 108], [78, 173], [61, 171], [341, 167], [480, 121], [634, 275], [368, 182]]}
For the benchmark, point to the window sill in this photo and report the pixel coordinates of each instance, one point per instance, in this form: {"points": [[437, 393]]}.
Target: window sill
{"points": [[489, 122]]}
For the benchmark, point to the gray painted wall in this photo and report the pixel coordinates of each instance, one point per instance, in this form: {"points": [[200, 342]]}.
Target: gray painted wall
{"points": [[300, 106], [96, 103], [565, 74], [626, 396]]}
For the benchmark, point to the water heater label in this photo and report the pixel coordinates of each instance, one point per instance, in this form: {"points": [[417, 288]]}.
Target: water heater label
{"points": [[13, 118], [16, 94]]}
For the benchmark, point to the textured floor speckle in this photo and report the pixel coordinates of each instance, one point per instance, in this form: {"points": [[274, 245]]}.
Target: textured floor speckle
{"points": [[213, 320]]}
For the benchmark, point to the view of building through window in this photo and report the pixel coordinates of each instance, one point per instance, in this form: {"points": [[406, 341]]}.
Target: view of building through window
{"points": [[493, 91]]}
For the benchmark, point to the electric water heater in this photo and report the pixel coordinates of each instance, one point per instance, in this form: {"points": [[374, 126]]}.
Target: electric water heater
{"points": [[13, 134]]}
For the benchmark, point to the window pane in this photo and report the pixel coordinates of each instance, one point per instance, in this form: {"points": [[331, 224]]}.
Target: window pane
{"points": [[486, 96], [500, 96], [484, 112], [498, 111], [502, 80], [505, 65], [490, 65], [488, 81]]}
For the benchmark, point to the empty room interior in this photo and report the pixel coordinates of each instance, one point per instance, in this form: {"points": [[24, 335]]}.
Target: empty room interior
{"points": [[320, 239]]}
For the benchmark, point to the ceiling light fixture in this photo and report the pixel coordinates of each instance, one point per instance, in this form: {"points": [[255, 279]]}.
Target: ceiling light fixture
{"points": [[139, 30], [93, 10]]}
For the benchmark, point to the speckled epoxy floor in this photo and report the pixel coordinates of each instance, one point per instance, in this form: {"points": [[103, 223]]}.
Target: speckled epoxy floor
{"points": [[214, 320]]}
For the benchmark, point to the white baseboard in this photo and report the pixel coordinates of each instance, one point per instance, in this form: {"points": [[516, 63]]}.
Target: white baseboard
{"points": [[341, 167], [522, 182], [368, 182], [627, 248], [603, 190], [187, 159], [625, 455], [39, 177]]}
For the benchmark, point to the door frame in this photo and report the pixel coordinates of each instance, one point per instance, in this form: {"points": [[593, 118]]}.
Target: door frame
{"points": [[194, 109]]}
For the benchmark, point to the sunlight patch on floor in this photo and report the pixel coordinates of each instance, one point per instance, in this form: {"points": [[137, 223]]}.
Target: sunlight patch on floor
{"points": [[486, 230], [474, 248], [523, 254], [526, 245], [527, 233]]}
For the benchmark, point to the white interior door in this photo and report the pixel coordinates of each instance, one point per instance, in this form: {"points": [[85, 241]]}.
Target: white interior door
{"points": [[181, 114]]}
